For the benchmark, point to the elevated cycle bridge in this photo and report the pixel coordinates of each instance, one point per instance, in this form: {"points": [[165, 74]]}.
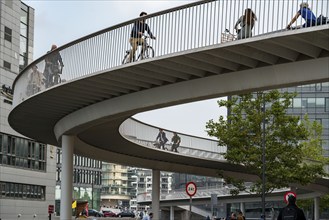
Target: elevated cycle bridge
{"points": [[97, 93]]}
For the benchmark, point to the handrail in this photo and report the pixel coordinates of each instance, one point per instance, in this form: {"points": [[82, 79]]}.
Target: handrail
{"points": [[107, 30], [179, 29], [144, 134], [202, 192]]}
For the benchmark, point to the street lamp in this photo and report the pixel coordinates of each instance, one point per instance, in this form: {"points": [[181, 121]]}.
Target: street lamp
{"points": [[263, 160]]}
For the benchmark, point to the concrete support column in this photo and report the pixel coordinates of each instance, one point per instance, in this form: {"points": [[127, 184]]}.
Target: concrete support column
{"points": [[156, 194], [242, 207], [67, 177], [172, 212], [317, 208]]}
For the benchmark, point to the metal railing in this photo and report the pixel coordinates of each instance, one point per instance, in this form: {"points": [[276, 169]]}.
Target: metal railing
{"points": [[202, 192], [145, 135], [191, 26]]}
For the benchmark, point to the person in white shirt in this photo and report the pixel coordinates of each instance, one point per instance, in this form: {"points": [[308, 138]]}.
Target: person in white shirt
{"points": [[148, 217]]}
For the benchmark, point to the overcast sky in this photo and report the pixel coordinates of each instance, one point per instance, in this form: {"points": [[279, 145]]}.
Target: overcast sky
{"points": [[62, 21]]}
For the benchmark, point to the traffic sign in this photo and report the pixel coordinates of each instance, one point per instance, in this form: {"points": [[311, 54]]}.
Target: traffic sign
{"points": [[190, 188], [50, 209], [286, 196]]}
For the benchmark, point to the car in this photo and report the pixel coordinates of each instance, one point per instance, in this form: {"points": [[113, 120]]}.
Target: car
{"points": [[126, 214], [109, 213], [93, 212]]}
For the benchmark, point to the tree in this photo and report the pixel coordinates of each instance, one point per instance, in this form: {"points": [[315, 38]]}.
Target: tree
{"points": [[292, 146]]}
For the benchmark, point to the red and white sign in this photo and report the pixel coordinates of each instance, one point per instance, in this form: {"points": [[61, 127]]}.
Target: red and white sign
{"points": [[190, 188], [51, 209], [286, 196]]}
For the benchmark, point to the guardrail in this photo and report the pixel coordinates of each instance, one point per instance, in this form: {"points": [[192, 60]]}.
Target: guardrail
{"points": [[202, 192], [145, 135], [191, 26]]}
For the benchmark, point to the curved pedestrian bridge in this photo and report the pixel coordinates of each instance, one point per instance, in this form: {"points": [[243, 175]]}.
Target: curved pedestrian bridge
{"points": [[193, 61]]}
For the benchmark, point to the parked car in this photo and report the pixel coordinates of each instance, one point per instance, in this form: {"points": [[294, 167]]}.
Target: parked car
{"points": [[126, 214], [109, 213], [93, 212]]}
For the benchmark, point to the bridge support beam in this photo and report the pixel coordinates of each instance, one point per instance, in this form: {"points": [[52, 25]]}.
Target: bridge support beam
{"points": [[67, 177], [317, 208], [156, 194], [172, 212]]}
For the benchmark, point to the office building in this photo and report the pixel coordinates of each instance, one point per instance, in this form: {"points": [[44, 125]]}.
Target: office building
{"points": [[313, 100], [115, 190], [87, 181], [27, 167]]}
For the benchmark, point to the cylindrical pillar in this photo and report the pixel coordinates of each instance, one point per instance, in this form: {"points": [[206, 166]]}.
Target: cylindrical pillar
{"points": [[317, 208], [172, 213], [67, 177], [242, 207], [156, 194]]}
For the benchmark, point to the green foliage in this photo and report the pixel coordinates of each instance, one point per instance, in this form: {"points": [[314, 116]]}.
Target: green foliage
{"points": [[293, 147], [324, 203], [307, 204]]}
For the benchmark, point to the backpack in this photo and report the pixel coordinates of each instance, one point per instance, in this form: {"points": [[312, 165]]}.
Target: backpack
{"points": [[289, 213], [322, 20]]}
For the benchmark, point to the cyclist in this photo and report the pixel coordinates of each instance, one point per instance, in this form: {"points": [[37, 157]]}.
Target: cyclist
{"points": [[136, 35], [54, 65]]}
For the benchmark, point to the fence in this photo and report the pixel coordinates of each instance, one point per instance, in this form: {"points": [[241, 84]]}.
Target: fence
{"points": [[183, 28]]}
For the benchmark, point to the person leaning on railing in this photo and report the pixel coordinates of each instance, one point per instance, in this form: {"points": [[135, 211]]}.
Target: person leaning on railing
{"points": [[137, 32], [306, 13], [247, 22]]}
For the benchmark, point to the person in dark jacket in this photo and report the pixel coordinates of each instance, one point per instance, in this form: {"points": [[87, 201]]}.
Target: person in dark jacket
{"points": [[53, 67], [137, 32], [292, 210], [175, 142], [162, 138]]}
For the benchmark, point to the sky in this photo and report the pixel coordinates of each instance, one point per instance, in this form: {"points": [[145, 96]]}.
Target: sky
{"points": [[62, 21]]}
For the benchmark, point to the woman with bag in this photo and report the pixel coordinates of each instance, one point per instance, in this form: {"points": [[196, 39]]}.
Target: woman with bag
{"points": [[247, 22]]}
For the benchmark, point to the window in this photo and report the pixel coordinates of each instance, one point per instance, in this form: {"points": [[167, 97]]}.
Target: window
{"points": [[327, 105], [8, 34], [325, 123], [20, 152], [318, 86], [6, 65], [311, 102], [320, 102], [297, 102]]}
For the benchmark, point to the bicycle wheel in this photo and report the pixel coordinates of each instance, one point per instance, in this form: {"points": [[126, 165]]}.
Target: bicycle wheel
{"points": [[126, 58], [149, 52]]}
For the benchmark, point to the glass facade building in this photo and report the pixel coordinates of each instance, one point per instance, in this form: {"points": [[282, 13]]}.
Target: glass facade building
{"points": [[313, 100], [87, 181]]}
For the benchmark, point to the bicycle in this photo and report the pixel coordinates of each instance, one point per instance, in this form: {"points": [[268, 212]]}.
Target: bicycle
{"points": [[147, 53], [52, 75]]}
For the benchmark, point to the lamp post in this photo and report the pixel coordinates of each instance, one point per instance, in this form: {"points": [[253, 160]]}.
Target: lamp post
{"points": [[263, 160], [92, 189]]}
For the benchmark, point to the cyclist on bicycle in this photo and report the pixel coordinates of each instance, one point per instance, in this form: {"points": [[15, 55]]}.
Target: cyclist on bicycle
{"points": [[54, 66], [136, 35]]}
